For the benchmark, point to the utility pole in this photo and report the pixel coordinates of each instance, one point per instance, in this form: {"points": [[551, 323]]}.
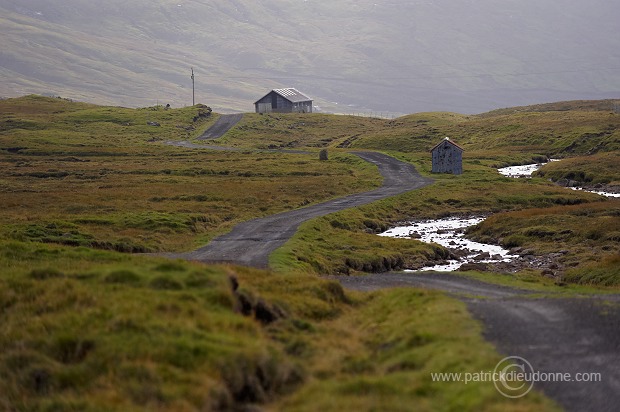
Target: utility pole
{"points": [[193, 89]]}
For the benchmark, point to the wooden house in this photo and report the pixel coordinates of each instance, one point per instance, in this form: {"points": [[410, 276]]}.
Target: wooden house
{"points": [[284, 101], [447, 157]]}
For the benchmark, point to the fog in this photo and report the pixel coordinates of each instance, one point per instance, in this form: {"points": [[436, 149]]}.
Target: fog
{"points": [[350, 56]]}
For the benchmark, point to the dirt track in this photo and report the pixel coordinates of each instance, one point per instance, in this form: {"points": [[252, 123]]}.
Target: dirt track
{"points": [[250, 243], [555, 334], [221, 126]]}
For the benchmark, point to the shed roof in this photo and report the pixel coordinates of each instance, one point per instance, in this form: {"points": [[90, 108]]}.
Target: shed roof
{"points": [[447, 140], [290, 94]]}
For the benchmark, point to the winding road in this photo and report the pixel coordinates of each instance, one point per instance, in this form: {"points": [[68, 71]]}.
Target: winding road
{"points": [[250, 243], [556, 334]]}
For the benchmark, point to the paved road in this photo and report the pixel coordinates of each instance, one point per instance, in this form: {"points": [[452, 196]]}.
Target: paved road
{"points": [[221, 126], [555, 334], [250, 243]]}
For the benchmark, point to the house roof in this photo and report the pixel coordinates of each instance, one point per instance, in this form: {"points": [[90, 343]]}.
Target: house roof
{"points": [[447, 140], [290, 94]]}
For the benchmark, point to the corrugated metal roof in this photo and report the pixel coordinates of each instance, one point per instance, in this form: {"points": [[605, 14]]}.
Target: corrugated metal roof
{"points": [[291, 94]]}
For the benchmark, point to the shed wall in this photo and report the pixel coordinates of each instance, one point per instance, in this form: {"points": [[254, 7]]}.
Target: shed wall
{"points": [[447, 158]]}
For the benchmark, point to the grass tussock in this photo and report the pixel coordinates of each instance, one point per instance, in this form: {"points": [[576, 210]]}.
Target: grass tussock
{"points": [[137, 334]]}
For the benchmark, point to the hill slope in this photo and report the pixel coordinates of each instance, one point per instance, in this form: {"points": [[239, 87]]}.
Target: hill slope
{"points": [[395, 56]]}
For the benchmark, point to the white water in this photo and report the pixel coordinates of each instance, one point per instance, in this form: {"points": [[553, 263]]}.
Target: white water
{"points": [[520, 171], [527, 170], [607, 194], [449, 233]]}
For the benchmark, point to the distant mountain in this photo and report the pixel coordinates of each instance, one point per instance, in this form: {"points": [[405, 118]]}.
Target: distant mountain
{"points": [[401, 56]]}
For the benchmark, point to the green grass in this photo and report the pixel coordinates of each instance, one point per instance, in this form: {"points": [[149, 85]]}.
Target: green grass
{"points": [[600, 168], [129, 193], [587, 234], [102, 331], [96, 330], [346, 242], [504, 138], [381, 358], [88, 328]]}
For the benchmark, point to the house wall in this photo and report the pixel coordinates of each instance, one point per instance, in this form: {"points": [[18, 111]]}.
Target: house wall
{"points": [[447, 158]]}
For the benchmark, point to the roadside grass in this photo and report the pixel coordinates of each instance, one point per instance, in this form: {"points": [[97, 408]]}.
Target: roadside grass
{"points": [[381, 356], [286, 131], [346, 243], [164, 199], [97, 330], [531, 281]]}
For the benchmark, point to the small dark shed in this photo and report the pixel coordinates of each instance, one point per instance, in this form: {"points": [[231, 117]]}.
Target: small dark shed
{"points": [[447, 157], [284, 101]]}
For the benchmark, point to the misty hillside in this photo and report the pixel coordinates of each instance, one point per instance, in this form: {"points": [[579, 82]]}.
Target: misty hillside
{"points": [[394, 55]]}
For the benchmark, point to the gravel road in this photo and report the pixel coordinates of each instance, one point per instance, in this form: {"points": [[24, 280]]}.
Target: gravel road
{"points": [[555, 334], [221, 126], [250, 243]]}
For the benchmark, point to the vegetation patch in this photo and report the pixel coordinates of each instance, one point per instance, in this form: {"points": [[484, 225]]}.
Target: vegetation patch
{"points": [[88, 328], [597, 169], [346, 242], [93, 343], [585, 236]]}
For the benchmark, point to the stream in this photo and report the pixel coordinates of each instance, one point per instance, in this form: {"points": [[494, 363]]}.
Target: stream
{"points": [[449, 232]]}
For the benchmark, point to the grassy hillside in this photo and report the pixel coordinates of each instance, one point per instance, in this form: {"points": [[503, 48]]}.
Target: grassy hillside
{"points": [[181, 198], [88, 328], [129, 191], [506, 137], [392, 56]]}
